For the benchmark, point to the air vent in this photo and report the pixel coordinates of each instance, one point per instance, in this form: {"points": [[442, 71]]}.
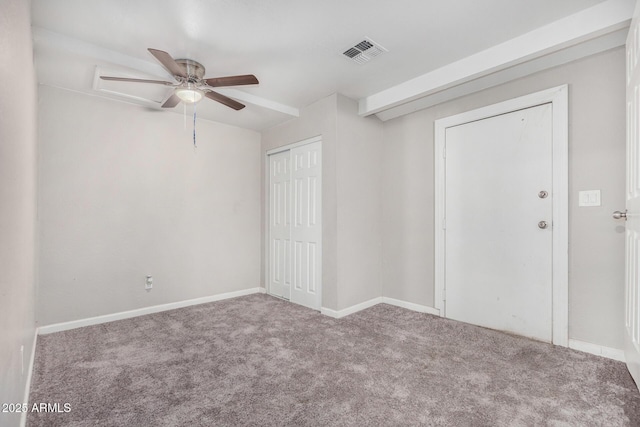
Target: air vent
{"points": [[364, 51]]}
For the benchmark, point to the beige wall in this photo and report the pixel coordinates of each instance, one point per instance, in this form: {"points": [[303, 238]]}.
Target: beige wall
{"points": [[359, 163], [596, 161], [123, 193], [100, 236], [351, 156], [319, 118], [17, 200]]}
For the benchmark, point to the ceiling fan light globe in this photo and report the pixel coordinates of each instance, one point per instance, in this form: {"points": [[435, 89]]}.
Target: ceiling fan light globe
{"points": [[189, 95]]}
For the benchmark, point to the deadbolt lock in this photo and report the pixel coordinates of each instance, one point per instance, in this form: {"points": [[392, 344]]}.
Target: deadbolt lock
{"points": [[543, 194]]}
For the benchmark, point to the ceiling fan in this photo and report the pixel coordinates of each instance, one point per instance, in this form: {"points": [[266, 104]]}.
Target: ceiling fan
{"points": [[190, 84]]}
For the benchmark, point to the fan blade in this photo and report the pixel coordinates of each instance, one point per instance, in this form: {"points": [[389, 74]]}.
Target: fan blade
{"points": [[168, 62], [247, 79], [171, 102], [224, 100], [124, 79]]}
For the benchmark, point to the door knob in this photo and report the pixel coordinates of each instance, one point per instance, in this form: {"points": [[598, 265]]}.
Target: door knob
{"points": [[620, 215], [542, 224]]}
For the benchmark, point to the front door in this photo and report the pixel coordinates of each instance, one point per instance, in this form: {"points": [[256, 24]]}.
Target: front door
{"points": [[498, 222]]}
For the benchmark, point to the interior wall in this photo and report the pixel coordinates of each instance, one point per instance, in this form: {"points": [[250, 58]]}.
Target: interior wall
{"points": [[124, 194], [596, 162], [17, 201], [351, 198], [319, 118], [358, 168]]}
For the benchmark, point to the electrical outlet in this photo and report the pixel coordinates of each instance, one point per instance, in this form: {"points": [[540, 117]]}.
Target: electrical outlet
{"points": [[148, 283]]}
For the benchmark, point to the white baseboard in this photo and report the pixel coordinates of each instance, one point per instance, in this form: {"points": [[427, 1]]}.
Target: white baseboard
{"points": [[65, 326], [411, 306], [337, 314], [27, 387], [598, 350], [262, 290]]}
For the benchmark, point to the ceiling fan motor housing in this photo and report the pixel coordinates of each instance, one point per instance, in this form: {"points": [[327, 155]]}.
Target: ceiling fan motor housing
{"points": [[194, 69]]}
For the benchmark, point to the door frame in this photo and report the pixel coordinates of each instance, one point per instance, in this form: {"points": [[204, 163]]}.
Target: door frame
{"points": [[267, 206], [558, 98]]}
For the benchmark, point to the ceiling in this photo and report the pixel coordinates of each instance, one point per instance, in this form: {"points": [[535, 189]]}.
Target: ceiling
{"points": [[294, 47]]}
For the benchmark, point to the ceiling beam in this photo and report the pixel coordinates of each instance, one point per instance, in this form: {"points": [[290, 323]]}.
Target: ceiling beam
{"points": [[573, 53], [256, 100], [592, 23]]}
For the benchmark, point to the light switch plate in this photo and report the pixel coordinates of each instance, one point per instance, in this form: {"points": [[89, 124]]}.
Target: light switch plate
{"points": [[589, 198]]}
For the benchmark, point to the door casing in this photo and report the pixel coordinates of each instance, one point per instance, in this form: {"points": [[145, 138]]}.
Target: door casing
{"points": [[632, 204], [558, 97]]}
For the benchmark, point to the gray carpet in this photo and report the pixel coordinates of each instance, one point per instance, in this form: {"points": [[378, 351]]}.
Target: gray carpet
{"points": [[260, 361]]}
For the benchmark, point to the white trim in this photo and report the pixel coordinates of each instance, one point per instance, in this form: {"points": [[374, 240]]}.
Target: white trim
{"points": [[262, 290], [65, 326], [598, 350], [588, 24], [317, 138], [250, 98], [338, 314], [411, 306], [331, 313], [558, 97], [27, 387], [560, 245]]}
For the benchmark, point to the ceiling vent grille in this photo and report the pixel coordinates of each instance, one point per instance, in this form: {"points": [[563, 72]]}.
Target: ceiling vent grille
{"points": [[364, 51]]}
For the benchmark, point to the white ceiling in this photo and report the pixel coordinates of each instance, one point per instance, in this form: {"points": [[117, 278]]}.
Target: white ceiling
{"points": [[294, 47]]}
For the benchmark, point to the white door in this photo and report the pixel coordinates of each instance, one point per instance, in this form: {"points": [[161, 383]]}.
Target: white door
{"points": [[306, 231], [280, 224], [295, 224], [632, 264], [498, 222]]}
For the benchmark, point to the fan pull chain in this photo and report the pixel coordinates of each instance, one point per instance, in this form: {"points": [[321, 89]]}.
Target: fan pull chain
{"points": [[184, 105], [194, 126]]}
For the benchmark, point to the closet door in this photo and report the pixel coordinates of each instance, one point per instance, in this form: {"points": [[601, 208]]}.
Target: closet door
{"points": [[280, 224], [306, 229], [295, 224]]}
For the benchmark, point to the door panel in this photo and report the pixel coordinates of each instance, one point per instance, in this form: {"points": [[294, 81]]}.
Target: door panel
{"points": [[280, 225], [498, 261], [632, 249], [306, 231]]}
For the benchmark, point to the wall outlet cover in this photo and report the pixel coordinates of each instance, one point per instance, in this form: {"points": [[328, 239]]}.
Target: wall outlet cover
{"points": [[589, 198]]}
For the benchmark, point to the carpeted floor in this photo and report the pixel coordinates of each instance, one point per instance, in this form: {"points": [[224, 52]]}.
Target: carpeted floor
{"points": [[260, 361]]}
